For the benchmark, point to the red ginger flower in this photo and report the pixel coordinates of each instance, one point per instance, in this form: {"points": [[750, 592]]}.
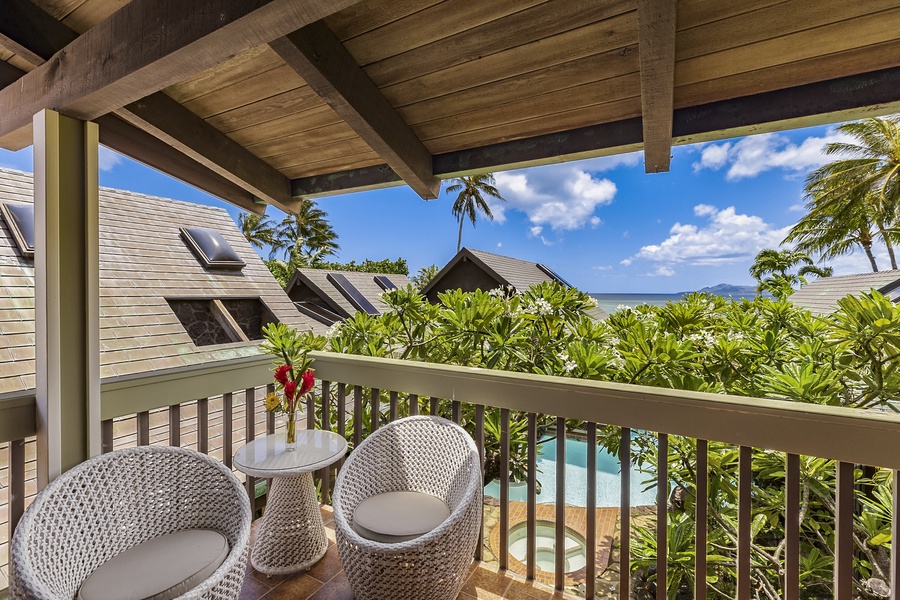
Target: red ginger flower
{"points": [[289, 389], [308, 382], [281, 374]]}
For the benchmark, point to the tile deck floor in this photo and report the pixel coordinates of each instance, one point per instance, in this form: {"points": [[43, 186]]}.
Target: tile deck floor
{"points": [[326, 581]]}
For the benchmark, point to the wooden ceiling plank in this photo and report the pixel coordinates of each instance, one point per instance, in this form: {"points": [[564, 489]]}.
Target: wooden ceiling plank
{"points": [[323, 62], [372, 14], [260, 86], [159, 115], [255, 61], [258, 137], [656, 48], [122, 60], [174, 124], [867, 94], [9, 74]]}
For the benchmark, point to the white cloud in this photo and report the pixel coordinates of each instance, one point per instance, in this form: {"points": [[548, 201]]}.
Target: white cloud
{"points": [[758, 153], [108, 159], [664, 272], [536, 230], [603, 268], [562, 197], [727, 237], [797, 207], [626, 262], [626, 234], [595, 222]]}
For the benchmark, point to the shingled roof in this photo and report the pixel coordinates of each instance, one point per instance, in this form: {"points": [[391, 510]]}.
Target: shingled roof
{"points": [[143, 262], [821, 296], [312, 288], [472, 270]]}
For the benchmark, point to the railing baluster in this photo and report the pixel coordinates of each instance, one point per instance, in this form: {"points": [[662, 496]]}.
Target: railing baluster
{"points": [[143, 428], [175, 425], [792, 528], [591, 533], [413, 405], [843, 532], [456, 411], [531, 508], [16, 497], [745, 519], [203, 425], [250, 435], [357, 416], [107, 441], [560, 562], [435, 407], [504, 488], [662, 526], [376, 409], [394, 415], [326, 426], [270, 415], [227, 428], [341, 415], [700, 518], [479, 443], [625, 515], [310, 410]]}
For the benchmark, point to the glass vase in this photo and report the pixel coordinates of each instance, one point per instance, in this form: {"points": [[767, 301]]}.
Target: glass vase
{"points": [[290, 440]]}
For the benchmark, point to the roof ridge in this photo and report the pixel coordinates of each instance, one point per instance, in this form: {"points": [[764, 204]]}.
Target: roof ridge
{"points": [[475, 250]]}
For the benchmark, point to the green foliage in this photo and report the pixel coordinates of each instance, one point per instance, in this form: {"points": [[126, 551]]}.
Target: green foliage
{"points": [[387, 266], [424, 276], [471, 199], [760, 348], [773, 271]]}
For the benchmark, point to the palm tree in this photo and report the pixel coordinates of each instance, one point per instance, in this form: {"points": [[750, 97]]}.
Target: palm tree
{"points": [[863, 187], [470, 200], [307, 237], [257, 229], [773, 271]]}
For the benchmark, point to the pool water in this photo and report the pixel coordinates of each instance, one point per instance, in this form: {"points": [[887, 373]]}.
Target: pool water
{"points": [[608, 481]]}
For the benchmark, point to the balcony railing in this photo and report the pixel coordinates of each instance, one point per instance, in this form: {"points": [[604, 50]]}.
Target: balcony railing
{"points": [[199, 407]]}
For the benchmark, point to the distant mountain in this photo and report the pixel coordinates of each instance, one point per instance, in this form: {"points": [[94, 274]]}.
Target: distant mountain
{"points": [[727, 288]]}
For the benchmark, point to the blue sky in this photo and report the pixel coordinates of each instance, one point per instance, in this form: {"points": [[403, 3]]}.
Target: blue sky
{"points": [[603, 224]]}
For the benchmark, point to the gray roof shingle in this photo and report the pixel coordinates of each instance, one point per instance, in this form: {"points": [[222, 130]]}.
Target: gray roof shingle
{"points": [[364, 282], [821, 295], [143, 261]]}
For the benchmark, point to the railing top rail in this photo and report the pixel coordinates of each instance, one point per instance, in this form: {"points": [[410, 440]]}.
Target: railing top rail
{"points": [[18, 415], [846, 434]]}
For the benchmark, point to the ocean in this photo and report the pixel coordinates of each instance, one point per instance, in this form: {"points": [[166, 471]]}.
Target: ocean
{"points": [[611, 302]]}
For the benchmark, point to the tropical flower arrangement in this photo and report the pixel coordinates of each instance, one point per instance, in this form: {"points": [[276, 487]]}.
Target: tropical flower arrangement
{"points": [[293, 377]]}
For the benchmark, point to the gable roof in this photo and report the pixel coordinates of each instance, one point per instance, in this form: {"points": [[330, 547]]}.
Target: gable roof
{"points": [[322, 283], [507, 271], [143, 261], [821, 296]]}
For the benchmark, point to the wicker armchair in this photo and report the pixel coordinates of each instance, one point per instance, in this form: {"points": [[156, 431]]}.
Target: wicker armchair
{"points": [[422, 454], [115, 501]]}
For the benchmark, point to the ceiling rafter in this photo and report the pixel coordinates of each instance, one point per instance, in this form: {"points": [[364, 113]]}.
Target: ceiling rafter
{"points": [[318, 56], [656, 49], [35, 36]]}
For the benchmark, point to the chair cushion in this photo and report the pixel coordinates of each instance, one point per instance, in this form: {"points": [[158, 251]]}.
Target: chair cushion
{"points": [[398, 516], [159, 569]]}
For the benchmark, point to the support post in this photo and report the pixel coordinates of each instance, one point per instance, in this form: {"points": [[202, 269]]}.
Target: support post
{"points": [[67, 292]]}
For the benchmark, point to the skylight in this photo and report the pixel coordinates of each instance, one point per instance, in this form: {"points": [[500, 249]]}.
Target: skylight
{"points": [[20, 220], [554, 275], [385, 283], [211, 249]]}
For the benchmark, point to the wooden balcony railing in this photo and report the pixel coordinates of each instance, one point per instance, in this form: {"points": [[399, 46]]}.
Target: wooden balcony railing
{"points": [[215, 408]]}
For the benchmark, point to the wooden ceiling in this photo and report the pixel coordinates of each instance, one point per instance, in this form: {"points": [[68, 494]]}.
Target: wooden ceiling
{"points": [[269, 100]]}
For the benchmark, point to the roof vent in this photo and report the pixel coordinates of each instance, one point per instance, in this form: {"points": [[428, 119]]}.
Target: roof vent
{"points": [[20, 220], [554, 275], [211, 249]]}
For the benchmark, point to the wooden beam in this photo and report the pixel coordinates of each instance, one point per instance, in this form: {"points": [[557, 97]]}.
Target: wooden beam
{"points": [[322, 61], [42, 36], [9, 74], [656, 48], [26, 30], [169, 121], [148, 45], [842, 99], [153, 152]]}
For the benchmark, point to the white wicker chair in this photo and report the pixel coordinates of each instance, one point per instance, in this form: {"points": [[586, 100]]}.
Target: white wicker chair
{"points": [[117, 500], [422, 454]]}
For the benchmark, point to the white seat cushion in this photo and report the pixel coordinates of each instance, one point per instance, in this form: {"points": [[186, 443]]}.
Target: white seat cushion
{"points": [[398, 516], [159, 569]]}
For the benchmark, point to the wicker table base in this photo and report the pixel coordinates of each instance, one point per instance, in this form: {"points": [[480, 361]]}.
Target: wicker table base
{"points": [[291, 535]]}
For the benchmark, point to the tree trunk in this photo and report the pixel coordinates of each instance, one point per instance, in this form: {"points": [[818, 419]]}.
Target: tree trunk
{"points": [[868, 249], [459, 239], [890, 246]]}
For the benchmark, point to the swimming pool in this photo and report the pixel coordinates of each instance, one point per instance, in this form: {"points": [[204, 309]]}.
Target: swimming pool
{"points": [[608, 482]]}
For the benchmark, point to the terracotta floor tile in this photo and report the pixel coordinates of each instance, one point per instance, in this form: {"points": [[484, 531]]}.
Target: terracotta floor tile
{"points": [[298, 588], [526, 590], [487, 584], [328, 567], [253, 589], [336, 589]]}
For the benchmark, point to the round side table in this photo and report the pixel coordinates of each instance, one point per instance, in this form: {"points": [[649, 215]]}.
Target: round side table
{"points": [[291, 535]]}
